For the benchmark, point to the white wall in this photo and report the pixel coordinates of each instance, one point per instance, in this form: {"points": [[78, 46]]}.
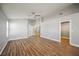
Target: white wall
{"points": [[74, 29], [30, 30], [50, 30], [17, 29], [3, 30]]}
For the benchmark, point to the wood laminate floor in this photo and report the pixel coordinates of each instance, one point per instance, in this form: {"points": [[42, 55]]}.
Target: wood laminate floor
{"points": [[65, 40], [38, 47]]}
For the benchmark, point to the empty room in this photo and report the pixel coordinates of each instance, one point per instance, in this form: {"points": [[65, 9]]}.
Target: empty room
{"points": [[39, 29]]}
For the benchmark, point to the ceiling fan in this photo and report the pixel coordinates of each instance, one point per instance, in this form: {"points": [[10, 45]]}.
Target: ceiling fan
{"points": [[34, 18]]}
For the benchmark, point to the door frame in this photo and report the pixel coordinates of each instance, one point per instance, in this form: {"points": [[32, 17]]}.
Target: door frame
{"points": [[69, 30]]}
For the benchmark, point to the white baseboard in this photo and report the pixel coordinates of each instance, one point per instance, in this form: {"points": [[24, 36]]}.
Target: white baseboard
{"points": [[3, 47], [74, 45], [18, 38], [51, 39]]}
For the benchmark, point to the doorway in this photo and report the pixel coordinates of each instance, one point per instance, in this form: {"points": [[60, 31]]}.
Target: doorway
{"points": [[37, 32], [65, 33]]}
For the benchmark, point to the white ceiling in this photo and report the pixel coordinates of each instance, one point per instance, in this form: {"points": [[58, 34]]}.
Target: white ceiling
{"points": [[23, 10]]}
